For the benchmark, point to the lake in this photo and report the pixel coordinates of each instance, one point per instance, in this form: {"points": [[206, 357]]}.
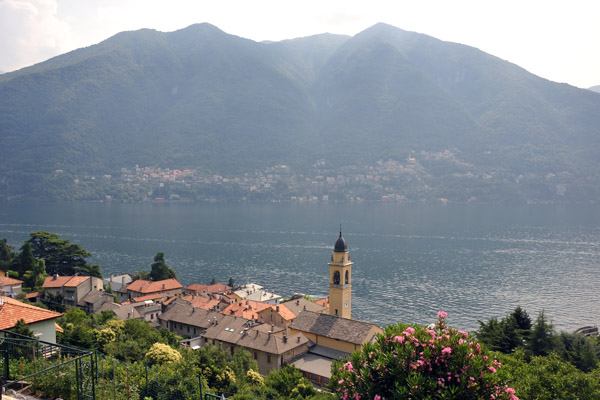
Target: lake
{"points": [[410, 260]]}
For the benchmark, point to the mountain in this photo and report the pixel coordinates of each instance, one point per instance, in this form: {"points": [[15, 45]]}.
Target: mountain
{"points": [[595, 88], [201, 98]]}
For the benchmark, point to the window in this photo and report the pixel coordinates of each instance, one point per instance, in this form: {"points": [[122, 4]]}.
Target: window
{"points": [[336, 278], [347, 278], [255, 354], [268, 359]]}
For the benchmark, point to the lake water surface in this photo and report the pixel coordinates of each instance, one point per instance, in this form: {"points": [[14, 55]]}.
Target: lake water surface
{"points": [[410, 260]]}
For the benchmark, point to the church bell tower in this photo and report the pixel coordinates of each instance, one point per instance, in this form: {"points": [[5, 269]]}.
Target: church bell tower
{"points": [[340, 280]]}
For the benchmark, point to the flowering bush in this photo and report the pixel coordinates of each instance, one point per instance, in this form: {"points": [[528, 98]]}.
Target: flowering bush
{"points": [[161, 353], [414, 362]]}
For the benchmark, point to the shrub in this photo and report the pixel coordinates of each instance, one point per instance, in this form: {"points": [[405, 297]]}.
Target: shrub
{"points": [[161, 353], [414, 362]]}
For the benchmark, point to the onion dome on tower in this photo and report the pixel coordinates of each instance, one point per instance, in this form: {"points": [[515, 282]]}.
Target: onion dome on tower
{"points": [[340, 244]]}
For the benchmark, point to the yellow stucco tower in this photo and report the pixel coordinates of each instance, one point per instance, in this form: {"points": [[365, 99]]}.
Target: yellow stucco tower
{"points": [[340, 280]]}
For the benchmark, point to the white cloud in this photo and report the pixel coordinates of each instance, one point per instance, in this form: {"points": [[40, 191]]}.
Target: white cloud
{"points": [[30, 32]]}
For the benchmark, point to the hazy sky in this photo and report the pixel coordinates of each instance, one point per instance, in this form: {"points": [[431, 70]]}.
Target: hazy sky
{"points": [[558, 40]]}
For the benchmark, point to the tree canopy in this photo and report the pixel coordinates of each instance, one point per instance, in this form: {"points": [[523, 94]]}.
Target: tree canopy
{"points": [[160, 270], [61, 256]]}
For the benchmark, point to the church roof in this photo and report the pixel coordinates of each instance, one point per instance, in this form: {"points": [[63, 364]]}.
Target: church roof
{"points": [[332, 326], [340, 245]]}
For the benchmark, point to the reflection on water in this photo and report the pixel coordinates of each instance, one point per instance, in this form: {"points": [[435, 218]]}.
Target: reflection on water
{"points": [[475, 262]]}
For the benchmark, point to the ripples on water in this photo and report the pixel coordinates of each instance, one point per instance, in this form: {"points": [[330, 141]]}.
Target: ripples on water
{"points": [[410, 261]]}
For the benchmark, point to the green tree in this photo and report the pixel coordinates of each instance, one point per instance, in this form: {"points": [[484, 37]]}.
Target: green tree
{"points": [[23, 329], [35, 278], [231, 282], [160, 270], [241, 362], [548, 377], [579, 351], [25, 261], [62, 257], [285, 380], [6, 255], [543, 339]]}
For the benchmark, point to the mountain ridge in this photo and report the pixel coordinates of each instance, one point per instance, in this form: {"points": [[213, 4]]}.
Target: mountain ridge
{"points": [[202, 98]]}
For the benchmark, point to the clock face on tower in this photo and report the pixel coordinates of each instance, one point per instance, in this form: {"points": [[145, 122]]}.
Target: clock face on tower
{"points": [[346, 304]]}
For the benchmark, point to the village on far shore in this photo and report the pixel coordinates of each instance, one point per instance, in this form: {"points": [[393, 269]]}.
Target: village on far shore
{"points": [[304, 332]]}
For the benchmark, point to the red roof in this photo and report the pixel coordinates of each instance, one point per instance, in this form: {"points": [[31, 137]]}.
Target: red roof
{"points": [[204, 303], [323, 302], [60, 281], [147, 287], [6, 281], [214, 288], [33, 295], [12, 311], [154, 296], [246, 309]]}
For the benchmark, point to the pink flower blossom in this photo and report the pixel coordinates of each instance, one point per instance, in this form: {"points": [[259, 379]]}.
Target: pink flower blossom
{"points": [[409, 331], [446, 350], [377, 397], [442, 314], [492, 369]]}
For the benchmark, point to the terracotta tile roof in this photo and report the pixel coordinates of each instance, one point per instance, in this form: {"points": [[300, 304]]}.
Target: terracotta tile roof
{"points": [[246, 309], [214, 288], [76, 281], [204, 303], [33, 295], [196, 287], [13, 310], [332, 326], [147, 287], [55, 281], [323, 302], [6, 281], [282, 310], [169, 300], [60, 281], [154, 296]]}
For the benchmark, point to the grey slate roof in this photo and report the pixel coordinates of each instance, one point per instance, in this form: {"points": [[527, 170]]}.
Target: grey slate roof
{"points": [[314, 364], [239, 331], [186, 314], [334, 327]]}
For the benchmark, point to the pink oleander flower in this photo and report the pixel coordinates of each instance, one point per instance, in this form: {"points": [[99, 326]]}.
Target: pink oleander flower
{"points": [[492, 369], [409, 331], [442, 314], [446, 350], [377, 397], [399, 339]]}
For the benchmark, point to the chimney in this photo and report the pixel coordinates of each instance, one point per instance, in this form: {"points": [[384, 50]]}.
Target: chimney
{"points": [[55, 277], [277, 308], [123, 283], [298, 303], [111, 277], [164, 286]]}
